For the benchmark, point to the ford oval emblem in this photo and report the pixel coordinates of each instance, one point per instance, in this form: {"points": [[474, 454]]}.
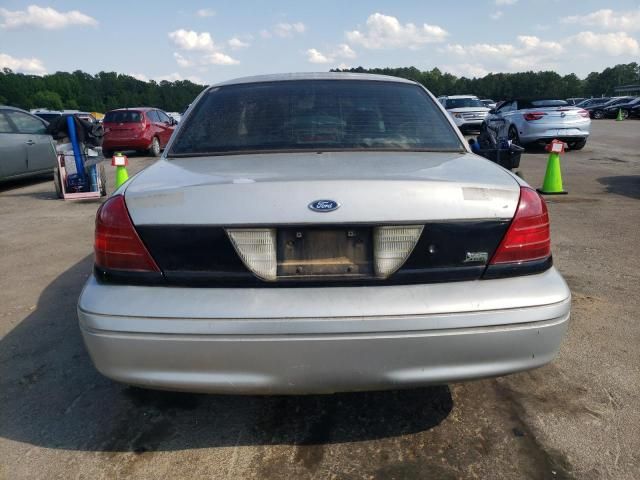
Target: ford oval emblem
{"points": [[324, 205]]}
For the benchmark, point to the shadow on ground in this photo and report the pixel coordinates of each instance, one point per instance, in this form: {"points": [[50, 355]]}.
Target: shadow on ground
{"points": [[52, 396], [8, 185], [627, 185]]}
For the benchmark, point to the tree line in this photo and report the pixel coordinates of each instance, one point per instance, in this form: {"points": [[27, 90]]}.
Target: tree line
{"points": [[500, 86], [93, 93], [108, 90]]}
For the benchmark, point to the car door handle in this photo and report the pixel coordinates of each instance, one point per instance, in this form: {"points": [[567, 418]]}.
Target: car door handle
{"points": [[30, 142]]}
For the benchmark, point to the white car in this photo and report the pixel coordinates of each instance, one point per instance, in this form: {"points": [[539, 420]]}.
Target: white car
{"points": [[467, 111]]}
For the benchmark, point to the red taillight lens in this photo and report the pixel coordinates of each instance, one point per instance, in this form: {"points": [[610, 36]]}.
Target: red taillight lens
{"points": [[533, 116], [583, 113], [528, 236], [117, 244]]}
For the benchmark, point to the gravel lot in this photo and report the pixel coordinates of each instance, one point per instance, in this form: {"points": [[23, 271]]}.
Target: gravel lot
{"points": [[578, 417]]}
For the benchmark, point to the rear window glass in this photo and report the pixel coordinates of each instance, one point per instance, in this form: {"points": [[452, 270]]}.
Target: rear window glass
{"points": [[315, 115], [48, 116], [123, 116], [463, 103], [541, 103]]}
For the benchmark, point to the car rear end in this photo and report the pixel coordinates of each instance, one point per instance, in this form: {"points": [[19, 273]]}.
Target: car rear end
{"points": [[323, 267], [126, 129], [467, 111], [541, 124]]}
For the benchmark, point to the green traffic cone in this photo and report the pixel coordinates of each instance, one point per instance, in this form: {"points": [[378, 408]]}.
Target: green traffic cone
{"points": [[121, 176], [552, 184], [619, 118]]}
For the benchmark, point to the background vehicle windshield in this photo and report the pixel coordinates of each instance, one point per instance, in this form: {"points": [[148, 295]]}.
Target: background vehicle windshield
{"points": [[315, 115], [463, 103], [122, 116]]}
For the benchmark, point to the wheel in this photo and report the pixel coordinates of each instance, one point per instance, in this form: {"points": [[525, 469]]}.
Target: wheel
{"points": [[57, 182], [578, 145], [154, 149], [107, 153], [513, 136], [625, 114], [598, 114], [103, 181]]}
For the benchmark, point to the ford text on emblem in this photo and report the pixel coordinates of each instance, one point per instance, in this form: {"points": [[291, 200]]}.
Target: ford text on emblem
{"points": [[324, 205]]}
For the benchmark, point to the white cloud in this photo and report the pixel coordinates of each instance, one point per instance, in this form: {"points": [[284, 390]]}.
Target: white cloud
{"points": [[608, 19], [174, 77], [496, 15], [194, 41], [202, 47], [342, 51], [139, 76], [218, 58], [286, 30], [614, 44], [264, 33], [506, 2], [528, 53], [25, 65], [384, 31], [206, 12], [235, 43], [466, 70], [44, 17]]}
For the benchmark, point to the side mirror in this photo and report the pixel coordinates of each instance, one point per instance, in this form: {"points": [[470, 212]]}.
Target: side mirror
{"points": [[492, 111]]}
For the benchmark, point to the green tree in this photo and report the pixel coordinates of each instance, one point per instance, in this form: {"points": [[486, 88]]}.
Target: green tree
{"points": [[48, 99]]}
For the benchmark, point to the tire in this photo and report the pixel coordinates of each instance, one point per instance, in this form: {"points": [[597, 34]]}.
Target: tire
{"points": [[625, 114], [598, 114], [57, 183], [514, 137], [103, 181], [154, 149], [579, 145]]}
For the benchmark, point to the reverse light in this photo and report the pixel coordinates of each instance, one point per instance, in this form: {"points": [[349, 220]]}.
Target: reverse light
{"points": [[117, 244], [392, 245], [528, 237], [257, 249], [531, 116]]}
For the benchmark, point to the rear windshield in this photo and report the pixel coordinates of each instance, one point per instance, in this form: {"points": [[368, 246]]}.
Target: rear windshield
{"points": [[315, 115], [463, 103], [48, 116], [541, 103], [123, 116]]}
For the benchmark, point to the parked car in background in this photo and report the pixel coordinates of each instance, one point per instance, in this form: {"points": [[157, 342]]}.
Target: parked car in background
{"points": [[142, 129], [540, 121], [50, 115], [487, 102], [574, 100], [330, 232], [635, 111], [592, 102], [624, 108], [175, 115], [598, 111], [25, 148], [467, 111]]}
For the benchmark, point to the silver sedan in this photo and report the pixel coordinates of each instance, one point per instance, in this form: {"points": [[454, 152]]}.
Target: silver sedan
{"points": [[540, 121], [318, 233], [25, 148]]}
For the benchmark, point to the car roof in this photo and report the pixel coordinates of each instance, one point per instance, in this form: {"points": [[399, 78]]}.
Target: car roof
{"points": [[458, 96], [7, 107], [141, 109], [287, 77]]}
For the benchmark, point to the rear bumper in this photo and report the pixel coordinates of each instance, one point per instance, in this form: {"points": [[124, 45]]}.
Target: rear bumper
{"points": [[252, 347], [140, 143], [538, 133]]}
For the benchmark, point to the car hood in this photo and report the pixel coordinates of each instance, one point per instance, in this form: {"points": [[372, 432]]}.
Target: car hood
{"points": [[277, 188]]}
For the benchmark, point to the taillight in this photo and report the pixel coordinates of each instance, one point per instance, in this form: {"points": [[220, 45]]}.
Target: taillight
{"points": [[528, 237], [533, 116], [583, 113], [117, 244]]}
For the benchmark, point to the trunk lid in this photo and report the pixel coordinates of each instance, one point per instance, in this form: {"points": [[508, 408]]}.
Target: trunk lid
{"points": [[276, 189]]}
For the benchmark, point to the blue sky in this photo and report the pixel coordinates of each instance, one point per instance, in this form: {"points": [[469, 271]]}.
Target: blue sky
{"points": [[210, 41]]}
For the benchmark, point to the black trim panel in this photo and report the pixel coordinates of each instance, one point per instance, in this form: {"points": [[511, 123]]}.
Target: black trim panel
{"points": [[507, 270]]}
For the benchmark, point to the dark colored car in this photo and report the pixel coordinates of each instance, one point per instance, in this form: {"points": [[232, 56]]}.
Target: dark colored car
{"points": [[635, 111], [25, 148], [593, 102], [598, 111], [142, 129], [623, 108]]}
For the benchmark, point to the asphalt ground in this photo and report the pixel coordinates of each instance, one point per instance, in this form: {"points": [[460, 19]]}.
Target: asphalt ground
{"points": [[578, 417]]}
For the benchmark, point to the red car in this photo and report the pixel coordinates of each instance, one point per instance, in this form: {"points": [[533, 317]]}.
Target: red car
{"points": [[141, 129]]}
